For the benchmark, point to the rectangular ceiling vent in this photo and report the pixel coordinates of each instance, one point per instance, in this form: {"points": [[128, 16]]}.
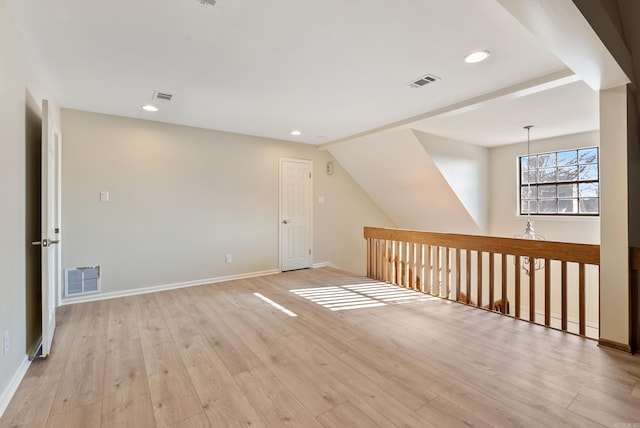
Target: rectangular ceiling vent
{"points": [[422, 81], [162, 96]]}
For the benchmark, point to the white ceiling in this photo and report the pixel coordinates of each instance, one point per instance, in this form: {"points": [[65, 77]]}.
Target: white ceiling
{"points": [[331, 68]]}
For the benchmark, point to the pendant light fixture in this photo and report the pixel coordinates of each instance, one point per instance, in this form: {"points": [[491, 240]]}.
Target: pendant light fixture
{"points": [[530, 232]]}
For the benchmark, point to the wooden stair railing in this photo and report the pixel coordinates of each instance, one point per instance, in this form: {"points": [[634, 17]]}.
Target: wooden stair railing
{"points": [[470, 269]]}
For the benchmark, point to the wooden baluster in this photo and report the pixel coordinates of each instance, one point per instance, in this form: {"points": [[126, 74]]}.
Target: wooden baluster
{"points": [[581, 299], [385, 261], [456, 296], [479, 280], [399, 262], [447, 269], [376, 268], [547, 292], [407, 261], [396, 259], [392, 264], [563, 296], [491, 280], [428, 274], [438, 272], [420, 273], [368, 258], [532, 289], [518, 277], [381, 259], [468, 276], [505, 301], [373, 259], [412, 265]]}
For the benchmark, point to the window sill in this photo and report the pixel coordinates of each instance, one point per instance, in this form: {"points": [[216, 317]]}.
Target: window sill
{"points": [[564, 218]]}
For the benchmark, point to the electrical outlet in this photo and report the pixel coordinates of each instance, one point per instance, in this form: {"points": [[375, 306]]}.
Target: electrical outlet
{"points": [[5, 341], [228, 258]]}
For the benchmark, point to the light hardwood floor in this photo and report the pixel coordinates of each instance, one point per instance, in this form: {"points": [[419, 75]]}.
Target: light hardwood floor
{"points": [[218, 356]]}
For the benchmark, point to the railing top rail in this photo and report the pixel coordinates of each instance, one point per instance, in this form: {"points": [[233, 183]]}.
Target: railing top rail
{"points": [[564, 251]]}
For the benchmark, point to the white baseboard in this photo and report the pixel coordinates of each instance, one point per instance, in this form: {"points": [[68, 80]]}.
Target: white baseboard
{"points": [[11, 389], [324, 264], [153, 289], [573, 324]]}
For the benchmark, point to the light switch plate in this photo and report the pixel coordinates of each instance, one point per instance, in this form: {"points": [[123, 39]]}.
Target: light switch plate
{"points": [[104, 196]]}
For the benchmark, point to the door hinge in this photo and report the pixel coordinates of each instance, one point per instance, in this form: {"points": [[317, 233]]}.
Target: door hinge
{"points": [[309, 175], [309, 251]]}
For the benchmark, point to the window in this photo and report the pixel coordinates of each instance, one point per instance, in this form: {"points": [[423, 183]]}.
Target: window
{"points": [[560, 183]]}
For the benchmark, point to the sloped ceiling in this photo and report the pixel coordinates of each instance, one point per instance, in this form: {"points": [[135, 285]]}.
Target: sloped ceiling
{"points": [[399, 175]]}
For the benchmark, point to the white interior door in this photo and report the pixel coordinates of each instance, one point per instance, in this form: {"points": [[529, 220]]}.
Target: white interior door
{"points": [[295, 214], [51, 263]]}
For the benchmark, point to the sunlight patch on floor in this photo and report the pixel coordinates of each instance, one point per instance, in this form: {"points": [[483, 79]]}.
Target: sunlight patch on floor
{"points": [[275, 305], [356, 296]]}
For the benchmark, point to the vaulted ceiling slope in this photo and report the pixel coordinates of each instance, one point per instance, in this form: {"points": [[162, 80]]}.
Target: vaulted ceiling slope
{"points": [[332, 69], [420, 181]]}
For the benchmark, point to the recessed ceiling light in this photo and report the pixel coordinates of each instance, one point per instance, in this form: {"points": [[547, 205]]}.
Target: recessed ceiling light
{"points": [[149, 107], [477, 56], [295, 132]]}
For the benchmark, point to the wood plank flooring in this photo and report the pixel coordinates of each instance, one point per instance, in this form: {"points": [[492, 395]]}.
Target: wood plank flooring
{"points": [[219, 356]]}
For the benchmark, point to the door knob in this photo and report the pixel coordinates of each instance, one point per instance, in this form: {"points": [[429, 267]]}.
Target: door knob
{"points": [[286, 221], [45, 242]]}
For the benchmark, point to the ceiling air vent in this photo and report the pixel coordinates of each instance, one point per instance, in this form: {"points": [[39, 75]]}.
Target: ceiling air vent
{"points": [[422, 81], [161, 96]]}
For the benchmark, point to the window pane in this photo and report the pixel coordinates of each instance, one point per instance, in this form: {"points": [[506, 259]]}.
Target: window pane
{"points": [[588, 172], [567, 158], [589, 190], [529, 207], [548, 191], [547, 160], [564, 183], [548, 206], [524, 165], [547, 175], [589, 156], [526, 193], [568, 173], [529, 177], [589, 205], [567, 191], [568, 206]]}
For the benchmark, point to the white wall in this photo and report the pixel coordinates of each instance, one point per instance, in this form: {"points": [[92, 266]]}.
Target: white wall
{"points": [[504, 220], [466, 168], [181, 198], [17, 78], [614, 253]]}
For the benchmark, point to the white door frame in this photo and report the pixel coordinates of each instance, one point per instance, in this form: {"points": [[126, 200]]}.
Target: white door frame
{"points": [[280, 218]]}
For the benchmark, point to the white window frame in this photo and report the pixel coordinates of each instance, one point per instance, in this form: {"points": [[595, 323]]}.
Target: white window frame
{"points": [[544, 165]]}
